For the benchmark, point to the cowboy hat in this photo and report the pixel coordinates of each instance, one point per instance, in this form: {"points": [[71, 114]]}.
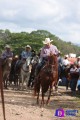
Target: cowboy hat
{"points": [[28, 46], [66, 56], [47, 40], [16, 56], [7, 46]]}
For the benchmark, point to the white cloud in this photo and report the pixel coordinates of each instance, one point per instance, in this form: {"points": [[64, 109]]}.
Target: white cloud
{"points": [[60, 17]]}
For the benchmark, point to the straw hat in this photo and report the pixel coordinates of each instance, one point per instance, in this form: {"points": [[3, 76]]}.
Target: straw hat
{"points": [[28, 46], [47, 40], [16, 56], [78, 57], [66, 56], [7, 46]]}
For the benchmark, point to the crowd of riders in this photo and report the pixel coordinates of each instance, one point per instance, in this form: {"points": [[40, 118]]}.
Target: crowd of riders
{"points": [[68, 71]]}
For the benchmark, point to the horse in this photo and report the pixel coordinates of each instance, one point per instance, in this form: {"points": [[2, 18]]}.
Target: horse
{"points": [[34, 63], [12, 76], [6, 66], [25, 71], [47, 78]]}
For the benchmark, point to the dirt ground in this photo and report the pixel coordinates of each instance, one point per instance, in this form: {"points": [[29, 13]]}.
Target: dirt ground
{"points": [[21, 105]]}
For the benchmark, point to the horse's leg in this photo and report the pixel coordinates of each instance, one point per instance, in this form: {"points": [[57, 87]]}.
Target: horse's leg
{"points": [[22, 78], [18, 81], [38, 98], [4, 80], [38, 90], [56, 84], [56, 87], [27, 80], [42, 101], [49, 95], [6, 83]]}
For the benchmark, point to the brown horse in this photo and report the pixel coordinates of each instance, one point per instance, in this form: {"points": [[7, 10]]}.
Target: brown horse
{"points": [[6, 67], [47, 78]]}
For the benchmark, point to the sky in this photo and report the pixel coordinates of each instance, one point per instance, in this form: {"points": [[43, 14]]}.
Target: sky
{"points": [[60, 17]]}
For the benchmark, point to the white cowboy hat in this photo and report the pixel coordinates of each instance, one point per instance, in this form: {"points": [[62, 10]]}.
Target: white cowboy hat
{"points": [[28, 46], [7, 46], [78, 57], [16, 56], [47, 40], [66, 56]]}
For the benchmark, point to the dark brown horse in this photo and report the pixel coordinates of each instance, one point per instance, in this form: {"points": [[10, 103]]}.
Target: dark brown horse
{"points": [[47, 78]]}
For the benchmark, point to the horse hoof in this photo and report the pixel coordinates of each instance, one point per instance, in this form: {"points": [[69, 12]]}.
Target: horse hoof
{"points": [[47, 102]]}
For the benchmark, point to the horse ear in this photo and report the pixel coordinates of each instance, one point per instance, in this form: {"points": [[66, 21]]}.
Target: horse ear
{"points": [[51, 54]]}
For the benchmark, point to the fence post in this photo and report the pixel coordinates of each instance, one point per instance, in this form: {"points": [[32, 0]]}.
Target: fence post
{"points": [[1, 90]]}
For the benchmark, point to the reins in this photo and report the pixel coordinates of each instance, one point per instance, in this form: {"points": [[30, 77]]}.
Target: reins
{"points": [[1, 90]]}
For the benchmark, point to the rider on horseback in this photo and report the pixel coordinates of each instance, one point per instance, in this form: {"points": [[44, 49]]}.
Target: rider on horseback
{"points": [[7, 53], [27, 53], [45, 52]]}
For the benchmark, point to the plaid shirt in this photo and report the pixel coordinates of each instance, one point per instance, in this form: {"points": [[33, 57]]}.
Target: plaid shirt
{"points": [[7, 54], [47, 50]]}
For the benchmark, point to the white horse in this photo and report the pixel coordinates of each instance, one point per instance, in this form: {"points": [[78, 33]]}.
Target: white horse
{"points": [[25, 72]]}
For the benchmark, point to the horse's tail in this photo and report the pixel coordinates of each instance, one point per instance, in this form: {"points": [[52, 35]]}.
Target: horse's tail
{"points": [[36, 86]]}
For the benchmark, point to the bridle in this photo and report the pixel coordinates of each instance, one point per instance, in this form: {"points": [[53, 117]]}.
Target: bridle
{"points": [[27, 66], [1, 90]]}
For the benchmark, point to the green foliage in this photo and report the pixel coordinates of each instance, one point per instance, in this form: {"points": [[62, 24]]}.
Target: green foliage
{"points": [[18, 41]]}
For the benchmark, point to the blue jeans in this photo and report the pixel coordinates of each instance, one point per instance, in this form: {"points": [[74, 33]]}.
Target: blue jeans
{"points": [[39, 66], [73, 84]]}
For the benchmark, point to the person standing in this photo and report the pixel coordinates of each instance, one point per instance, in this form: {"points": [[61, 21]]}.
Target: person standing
{"points": [[74, 72]]}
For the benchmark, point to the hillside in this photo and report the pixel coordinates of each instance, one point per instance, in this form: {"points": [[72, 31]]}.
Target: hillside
{"points": [[19, 40]]}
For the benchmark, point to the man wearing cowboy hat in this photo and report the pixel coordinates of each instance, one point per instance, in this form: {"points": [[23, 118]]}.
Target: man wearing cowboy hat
{"points": [[27, 53], [48, 48], [45, 52], [7, 53]]}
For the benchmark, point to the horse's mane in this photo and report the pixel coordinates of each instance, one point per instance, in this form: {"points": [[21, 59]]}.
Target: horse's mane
{"points": [[52, 59], [5, 62]]}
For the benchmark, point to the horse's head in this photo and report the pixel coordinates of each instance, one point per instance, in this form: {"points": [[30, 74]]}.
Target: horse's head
{"points": [[52, 59], [7, 62], [28, 63], [34, 60], [52, 64]]}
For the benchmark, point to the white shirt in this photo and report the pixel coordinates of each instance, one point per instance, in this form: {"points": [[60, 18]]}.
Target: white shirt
{"points": [[74, 70], [66, 62]]}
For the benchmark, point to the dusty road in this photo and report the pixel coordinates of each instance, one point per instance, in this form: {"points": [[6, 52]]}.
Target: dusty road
{"points": [[21, 105]]}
